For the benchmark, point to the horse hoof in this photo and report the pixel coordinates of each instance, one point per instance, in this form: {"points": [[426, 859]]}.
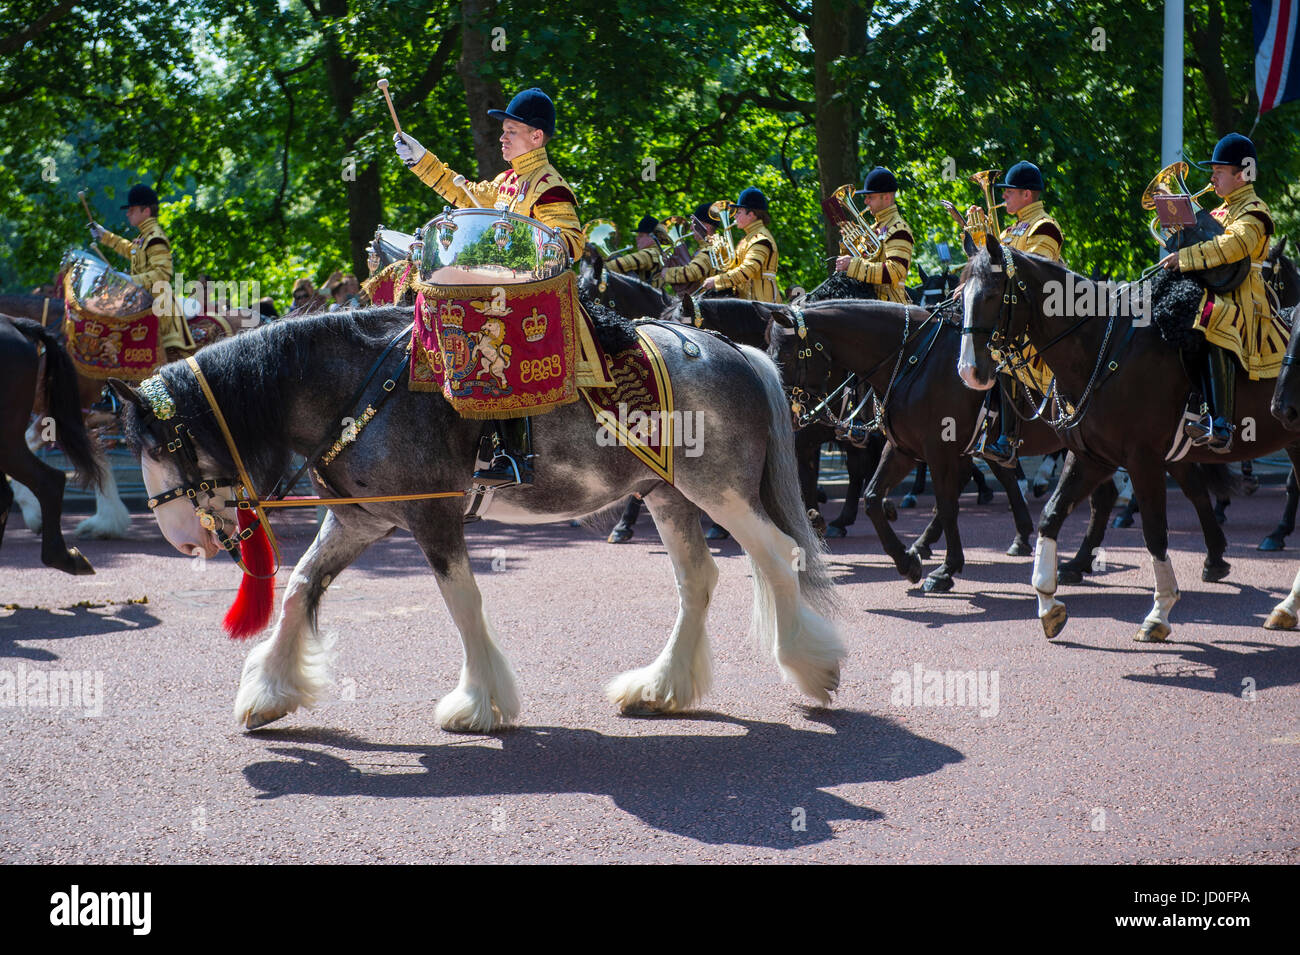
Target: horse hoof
{"points": [[1280, 619], [1213, 573], [912, 571], [937, 583], [1054, 620], [1039, 490], [716, 533], [1122, 521], [817, 521], [891, 511], [836, 531], [909, 501], [253, 721], [1153, 633], [620, 535], [920, 550], [984, 497], [1019, 548], [1272, 543], [1068, 575]]}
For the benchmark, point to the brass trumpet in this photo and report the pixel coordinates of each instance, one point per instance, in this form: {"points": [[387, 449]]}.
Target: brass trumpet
{"points": [[722, 250], [603, 234], [856, 233], [679, 229], [1163, 185], [985, 179]]}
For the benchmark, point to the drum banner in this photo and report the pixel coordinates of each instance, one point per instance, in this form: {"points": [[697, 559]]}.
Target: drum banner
{"points": [[389, 284], [504, 351], [637, 412], [102, 347]]}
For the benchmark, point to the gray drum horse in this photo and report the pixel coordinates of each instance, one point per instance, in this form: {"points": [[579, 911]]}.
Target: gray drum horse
{"points": [[283, 388]]}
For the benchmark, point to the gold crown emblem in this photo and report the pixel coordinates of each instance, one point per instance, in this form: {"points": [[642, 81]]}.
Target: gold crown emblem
{"points": [[451, 315], [535, 326]]}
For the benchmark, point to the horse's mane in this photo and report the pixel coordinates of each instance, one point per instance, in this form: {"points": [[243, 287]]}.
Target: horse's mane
{"points": [[253, 375], [1174, 296], [839, 285], [614, 333]]}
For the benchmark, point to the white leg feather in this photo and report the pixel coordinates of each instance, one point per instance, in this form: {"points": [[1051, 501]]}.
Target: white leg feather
{"points": [[111, 519], [486, 698]]}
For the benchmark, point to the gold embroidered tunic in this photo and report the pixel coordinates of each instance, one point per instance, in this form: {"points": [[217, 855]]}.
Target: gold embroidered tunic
{"points": [[887, 269], [151, 262], [1037, 233], [1243, 320], [757, 259], [530, 187]]}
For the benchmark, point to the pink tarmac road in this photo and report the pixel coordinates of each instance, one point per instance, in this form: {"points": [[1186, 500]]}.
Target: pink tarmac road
{"points": [[1091, 748]]}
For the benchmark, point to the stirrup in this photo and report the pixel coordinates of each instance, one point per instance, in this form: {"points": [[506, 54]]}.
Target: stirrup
{"points": [[505, 471], [990, 451]]}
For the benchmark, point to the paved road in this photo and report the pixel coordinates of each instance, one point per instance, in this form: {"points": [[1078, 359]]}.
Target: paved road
{"points": [[1095, 749]]}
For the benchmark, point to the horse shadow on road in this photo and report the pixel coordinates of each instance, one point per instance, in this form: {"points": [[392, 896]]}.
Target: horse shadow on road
{"points": [[39, 623], [1215, 667], [746, 789]]}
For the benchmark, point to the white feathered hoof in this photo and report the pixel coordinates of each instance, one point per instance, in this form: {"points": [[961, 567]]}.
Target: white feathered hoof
{"points": [[470, 710], [98, 527], [646, 692], [1054, 621], [1280, 619], [1153, 633]]}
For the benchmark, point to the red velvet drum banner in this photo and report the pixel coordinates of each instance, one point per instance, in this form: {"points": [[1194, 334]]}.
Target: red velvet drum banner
{"points": [[503, 351]]}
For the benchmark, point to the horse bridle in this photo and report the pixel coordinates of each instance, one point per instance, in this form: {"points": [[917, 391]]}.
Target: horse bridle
{"points": [[1002, 332], [817, 345], [199, 490]]}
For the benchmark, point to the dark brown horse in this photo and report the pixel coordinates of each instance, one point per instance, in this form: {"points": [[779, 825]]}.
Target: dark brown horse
{"points": [[1129, 389], [20, 377]]}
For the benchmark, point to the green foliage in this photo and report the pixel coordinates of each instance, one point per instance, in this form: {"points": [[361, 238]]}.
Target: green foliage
{"points": [[256, 119]]}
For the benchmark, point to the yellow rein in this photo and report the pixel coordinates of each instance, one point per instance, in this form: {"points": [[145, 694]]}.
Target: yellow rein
{"points": [[247, 485]]}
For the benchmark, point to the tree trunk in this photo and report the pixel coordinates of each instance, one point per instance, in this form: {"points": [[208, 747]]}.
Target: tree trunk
{"points": [[482, 90], [839, 29], [1207, 41]]}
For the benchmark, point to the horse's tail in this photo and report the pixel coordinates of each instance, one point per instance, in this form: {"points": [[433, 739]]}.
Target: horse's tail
{"points": [[63, 402], [779, 488]]}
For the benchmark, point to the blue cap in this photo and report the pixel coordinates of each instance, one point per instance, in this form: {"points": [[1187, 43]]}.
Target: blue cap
{"points": [[753, 200], [879, 179], [532, 107], [1023, 175], [1232, 150]]}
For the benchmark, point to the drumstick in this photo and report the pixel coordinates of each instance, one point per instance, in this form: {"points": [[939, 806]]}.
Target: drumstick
{"points": [[383, 88], [460, 182], [81, 194]]}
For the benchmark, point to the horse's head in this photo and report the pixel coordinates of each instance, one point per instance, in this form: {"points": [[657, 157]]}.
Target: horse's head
{"points": [[798, 351], [188, 507], [1281, 275], [987, 285], [591, 273], [1286, 393]]}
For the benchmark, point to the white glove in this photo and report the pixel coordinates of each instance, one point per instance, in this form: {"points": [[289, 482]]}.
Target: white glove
{"points": [[408, 150], [96, 230]]}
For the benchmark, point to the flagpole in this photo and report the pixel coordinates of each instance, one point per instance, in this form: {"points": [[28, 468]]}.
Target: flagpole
{"points": [[1171, 137]]}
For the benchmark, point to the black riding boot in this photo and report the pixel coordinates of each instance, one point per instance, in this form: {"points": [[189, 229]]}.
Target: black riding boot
{"points": [[512, 454], [1000, 450], [1215, 429]]}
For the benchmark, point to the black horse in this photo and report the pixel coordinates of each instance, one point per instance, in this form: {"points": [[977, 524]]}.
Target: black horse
{"points": [[19, 377], [1107, 367]]}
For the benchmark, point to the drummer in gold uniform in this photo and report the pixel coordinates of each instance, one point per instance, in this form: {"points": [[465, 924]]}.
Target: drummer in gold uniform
{"points": [[531, 187], [887, 269], [150, 253], [757, 257], [646, 263], [1037, 233]]}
